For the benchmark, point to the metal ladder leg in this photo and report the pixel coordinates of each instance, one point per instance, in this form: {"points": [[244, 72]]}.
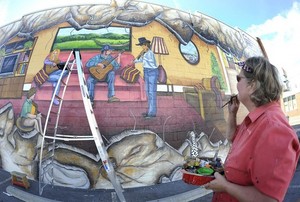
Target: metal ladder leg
{"points": [[95, 130]]}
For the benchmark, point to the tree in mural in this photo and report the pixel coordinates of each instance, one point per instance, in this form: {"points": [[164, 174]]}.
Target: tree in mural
{"points": [[216, 71]]}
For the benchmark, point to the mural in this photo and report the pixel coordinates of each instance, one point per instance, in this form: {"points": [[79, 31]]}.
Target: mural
{"points": [[194, 57]]}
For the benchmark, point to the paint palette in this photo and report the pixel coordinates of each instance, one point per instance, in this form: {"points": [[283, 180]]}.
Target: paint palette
{"points": [[196, 179]]}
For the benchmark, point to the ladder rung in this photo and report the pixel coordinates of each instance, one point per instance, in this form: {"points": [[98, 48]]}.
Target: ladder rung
{"points": [[48, 156], [45, 144], [68, 68], [47, 169], [62, 81], [75, 138], [58, 97], [53, 112]]}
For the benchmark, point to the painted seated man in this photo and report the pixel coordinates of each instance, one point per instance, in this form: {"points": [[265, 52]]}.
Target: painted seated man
{"points": [[30, 118], [102, 68]]}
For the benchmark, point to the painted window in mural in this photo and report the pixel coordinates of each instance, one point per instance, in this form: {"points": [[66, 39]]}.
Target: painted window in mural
{"points": [[190, 53], [15, 57], [69, 38], [9, 64], [14, 60]]}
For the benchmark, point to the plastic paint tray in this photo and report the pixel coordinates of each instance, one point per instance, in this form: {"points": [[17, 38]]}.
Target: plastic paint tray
{"points": [[196, 179]]}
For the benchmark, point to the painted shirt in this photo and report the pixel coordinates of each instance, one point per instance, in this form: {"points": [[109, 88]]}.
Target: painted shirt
{"points": [[26, 108], [101, 59], [148, 60], [47, 61], [264, 153]]}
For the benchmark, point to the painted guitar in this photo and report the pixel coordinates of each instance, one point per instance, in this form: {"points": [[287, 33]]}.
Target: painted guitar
{"points": [[100, 71], [49, 69]]}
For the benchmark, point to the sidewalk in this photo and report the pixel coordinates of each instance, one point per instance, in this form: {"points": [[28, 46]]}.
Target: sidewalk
{"points": [[168, 192]]}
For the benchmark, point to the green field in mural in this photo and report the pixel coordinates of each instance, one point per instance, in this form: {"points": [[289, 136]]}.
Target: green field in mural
{"points": [[68, 39]]}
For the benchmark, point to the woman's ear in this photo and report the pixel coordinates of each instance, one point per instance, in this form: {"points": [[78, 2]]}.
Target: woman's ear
{"points": [[251, 86]]}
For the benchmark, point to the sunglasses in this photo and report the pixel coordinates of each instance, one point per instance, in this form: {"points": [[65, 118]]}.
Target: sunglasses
{"points": [[245, 67], [238, 78]]}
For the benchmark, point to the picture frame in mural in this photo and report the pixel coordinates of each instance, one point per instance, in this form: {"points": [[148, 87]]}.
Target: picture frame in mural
{"points": [[190, 53], [67, 38]]}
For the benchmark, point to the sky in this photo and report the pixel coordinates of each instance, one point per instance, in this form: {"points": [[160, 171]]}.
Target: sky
{"points": [[275, 22]]}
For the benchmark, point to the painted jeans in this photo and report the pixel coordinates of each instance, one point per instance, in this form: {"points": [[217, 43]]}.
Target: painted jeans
{"points": [[54, 77], [110, 80], [150, 77]]}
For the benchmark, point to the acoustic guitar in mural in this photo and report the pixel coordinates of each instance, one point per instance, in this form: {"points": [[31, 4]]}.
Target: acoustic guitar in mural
{"points": [[49, 69], [100, 72]]}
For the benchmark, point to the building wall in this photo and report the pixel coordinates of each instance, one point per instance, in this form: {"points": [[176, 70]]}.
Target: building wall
{"points": [[192, 102], [292, 108]]}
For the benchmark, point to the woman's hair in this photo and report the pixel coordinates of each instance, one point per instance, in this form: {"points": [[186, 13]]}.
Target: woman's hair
{"points": [[265, 76], [53, 56]]}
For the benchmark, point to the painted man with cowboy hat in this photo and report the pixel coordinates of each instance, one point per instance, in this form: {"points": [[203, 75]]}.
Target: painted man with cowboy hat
{"points": [[150, 76], [99, 61]]}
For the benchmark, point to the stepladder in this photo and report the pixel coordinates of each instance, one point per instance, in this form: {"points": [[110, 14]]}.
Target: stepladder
{"points": [[95, 136]]}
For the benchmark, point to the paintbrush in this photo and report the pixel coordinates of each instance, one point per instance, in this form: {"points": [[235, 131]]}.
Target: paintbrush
{"points": [[230, 101]]}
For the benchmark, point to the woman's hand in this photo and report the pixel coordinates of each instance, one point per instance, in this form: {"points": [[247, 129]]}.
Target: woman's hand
{"points": [[234, 104], [218, 184]]}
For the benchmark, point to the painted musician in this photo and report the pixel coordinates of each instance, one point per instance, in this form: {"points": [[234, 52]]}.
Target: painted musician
{"points": [[51, 63], [150, 76], [102, 68], [29, 114]]}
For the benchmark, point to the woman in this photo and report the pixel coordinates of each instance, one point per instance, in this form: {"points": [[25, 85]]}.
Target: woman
{"points": [[265, 149], [150, 76], [29, 115]]}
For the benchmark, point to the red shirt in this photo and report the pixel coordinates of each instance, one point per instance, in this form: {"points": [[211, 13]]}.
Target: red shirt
{"points": [[264, 153]]}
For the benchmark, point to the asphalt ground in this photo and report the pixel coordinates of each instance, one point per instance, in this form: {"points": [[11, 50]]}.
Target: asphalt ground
{"points": [[167, 192]]}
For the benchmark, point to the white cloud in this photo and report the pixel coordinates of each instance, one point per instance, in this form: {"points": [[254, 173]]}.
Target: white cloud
{"points": [[280, 37]]}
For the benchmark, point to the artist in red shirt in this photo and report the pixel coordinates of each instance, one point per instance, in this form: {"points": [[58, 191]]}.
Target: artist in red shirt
{"points": [[265, 149]]}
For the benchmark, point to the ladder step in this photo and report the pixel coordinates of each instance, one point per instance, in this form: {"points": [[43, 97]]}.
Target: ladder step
{"points": [[63, 82], [53, 112], [75, 138], [58, 97], [48, 156]]}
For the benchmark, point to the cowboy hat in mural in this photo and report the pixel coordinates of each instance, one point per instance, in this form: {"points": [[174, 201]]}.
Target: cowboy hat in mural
{"points": [[142, 41], [106, 48]]}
